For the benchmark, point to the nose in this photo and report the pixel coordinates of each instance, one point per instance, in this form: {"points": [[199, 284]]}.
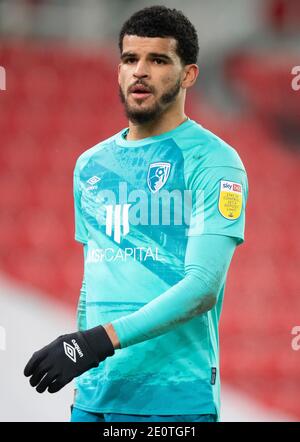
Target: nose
{"points": [[141, 70]]}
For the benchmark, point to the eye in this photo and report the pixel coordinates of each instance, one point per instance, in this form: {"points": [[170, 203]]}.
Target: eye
{"points": [[129, 60], [159, 61]]}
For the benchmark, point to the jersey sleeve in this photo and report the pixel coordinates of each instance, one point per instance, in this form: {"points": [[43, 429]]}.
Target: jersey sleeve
{"points": [[81, 234], [207, 260], [222, 193]]}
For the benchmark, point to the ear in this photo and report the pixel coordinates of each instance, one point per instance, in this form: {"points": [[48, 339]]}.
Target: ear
{"points": [[119, 73], [191, 72]]}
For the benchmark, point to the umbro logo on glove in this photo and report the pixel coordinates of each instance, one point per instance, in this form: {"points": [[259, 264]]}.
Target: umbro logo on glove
{"points": [[71, 351]]}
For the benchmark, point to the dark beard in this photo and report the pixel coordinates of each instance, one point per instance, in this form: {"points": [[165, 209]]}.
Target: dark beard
{"points": [[147, 115]]}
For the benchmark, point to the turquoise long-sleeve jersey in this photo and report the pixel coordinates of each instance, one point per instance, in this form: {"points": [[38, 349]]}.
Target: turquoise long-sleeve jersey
{"points": [[159, 219]]}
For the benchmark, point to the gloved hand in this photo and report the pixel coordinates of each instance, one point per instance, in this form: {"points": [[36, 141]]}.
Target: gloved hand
{"points": [[67, 357]]}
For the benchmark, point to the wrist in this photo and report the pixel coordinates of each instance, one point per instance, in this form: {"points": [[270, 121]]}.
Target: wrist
{"points": [[98, 340], [112, 335]]}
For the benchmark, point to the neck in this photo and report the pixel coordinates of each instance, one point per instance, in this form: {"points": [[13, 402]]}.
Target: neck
{"points": [[163, 124]]}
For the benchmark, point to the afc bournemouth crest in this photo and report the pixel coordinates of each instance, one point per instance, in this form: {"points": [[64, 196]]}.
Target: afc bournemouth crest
{"points": [[158, 174]]}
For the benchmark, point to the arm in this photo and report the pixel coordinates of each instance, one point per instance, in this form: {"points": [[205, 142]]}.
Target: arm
{"points": [[207, 260], [206, 263], [81, 308]]}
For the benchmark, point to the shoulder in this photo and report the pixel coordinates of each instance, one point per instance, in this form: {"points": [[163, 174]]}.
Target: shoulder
{"points": [[85, 156], [202, 148]]}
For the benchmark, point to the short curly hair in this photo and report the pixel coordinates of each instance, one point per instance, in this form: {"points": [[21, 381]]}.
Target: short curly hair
{"points": [[160, 21]]}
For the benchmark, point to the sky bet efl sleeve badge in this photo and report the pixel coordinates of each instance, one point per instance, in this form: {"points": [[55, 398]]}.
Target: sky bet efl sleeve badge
{"points": [[230, 199]]}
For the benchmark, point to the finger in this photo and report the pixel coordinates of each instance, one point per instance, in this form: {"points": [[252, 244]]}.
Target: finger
{"points": [[38, 375], [57, 385], [45, 382], [34, 361]]}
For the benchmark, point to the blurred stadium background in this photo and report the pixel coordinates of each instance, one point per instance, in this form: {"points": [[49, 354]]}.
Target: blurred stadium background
{"points": [[61, 97]]}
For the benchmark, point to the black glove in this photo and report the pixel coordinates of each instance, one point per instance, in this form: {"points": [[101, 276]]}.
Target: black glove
{"points": [[67, 357]]}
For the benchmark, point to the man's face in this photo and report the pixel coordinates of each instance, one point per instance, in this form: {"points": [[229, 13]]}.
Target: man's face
{"points": [[150, 75]]}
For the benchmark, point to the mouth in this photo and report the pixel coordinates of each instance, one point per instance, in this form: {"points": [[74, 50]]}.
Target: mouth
{"points": [[140, 92]]}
